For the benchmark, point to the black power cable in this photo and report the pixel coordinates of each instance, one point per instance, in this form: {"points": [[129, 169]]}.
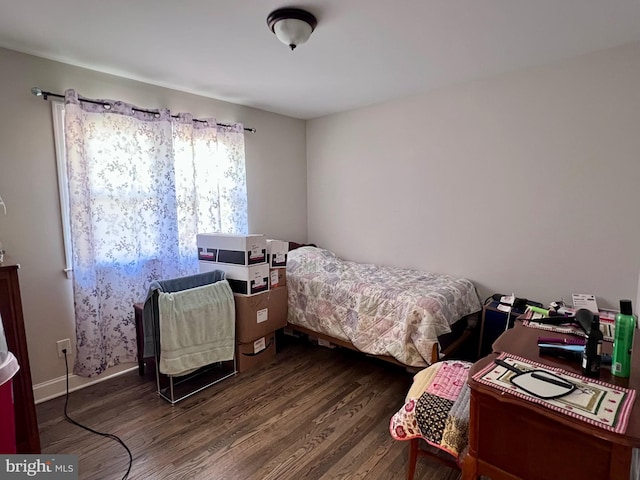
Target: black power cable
{"points": [[108, 435]]}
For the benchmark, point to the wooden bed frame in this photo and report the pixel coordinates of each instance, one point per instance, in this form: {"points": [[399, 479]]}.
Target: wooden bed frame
{"points": [[435, 352]]}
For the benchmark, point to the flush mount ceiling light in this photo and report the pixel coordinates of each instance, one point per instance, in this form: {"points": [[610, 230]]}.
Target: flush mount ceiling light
{"points": [[292, 26]]}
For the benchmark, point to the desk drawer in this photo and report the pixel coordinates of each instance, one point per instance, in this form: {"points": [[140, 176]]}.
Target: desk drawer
{"points": [[530, 445]]}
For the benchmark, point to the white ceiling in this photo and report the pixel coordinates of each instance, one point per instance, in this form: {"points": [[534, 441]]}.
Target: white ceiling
{"points": [[362, 52]]}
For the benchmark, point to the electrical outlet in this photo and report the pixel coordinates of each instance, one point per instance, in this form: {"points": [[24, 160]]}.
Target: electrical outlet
{"points": [[63, 345]]}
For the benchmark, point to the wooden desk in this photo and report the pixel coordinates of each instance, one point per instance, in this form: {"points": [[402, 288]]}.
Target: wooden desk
{"points": [[510, 438]]}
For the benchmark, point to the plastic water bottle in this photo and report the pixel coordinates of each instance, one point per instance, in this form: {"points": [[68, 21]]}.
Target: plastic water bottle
{"points": [[623, 340]]}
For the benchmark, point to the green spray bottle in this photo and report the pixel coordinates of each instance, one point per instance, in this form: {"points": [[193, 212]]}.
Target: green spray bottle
{"points": [[623, 340]]}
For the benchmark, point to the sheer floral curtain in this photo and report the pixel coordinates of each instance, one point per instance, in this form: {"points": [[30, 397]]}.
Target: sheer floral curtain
{"points": [[140, 187], [210, 181]]}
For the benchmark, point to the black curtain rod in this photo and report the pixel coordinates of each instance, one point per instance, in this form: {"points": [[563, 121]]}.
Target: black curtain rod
{"points": [[45, 96]]}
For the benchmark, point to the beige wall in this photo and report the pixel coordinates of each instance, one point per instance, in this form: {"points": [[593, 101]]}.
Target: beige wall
{"points": [[527, 182], [31, 231]]}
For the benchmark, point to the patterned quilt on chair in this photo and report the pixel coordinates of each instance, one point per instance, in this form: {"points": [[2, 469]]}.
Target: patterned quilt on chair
{"points": [[437, 408], [380, 310]]}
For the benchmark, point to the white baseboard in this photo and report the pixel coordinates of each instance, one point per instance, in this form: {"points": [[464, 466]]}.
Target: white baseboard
{"points": [[57, 387]]}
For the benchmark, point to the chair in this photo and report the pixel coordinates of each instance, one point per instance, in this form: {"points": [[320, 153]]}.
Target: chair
{"points": [[436, 410]]}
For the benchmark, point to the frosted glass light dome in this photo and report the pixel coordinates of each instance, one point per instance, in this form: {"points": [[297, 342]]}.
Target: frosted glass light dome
{"points": [[292, 26], [292, 32]]}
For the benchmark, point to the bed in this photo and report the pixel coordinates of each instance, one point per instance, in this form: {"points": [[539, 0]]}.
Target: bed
{"points": [[393, 313]]}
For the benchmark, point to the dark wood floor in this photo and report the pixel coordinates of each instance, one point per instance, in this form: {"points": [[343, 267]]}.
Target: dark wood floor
{"points": [[311, 413]]}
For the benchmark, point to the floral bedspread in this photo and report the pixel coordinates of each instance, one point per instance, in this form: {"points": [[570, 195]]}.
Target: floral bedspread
{"points": [[437, 408], [380, 310]]}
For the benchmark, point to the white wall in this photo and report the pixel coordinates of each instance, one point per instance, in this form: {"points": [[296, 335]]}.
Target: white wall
{"points": [[31, 231], [527, 182]]}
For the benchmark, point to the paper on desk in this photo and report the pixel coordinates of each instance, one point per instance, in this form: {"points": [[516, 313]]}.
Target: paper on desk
{"points": [[585, 300], [504, 308], [508, 299]]}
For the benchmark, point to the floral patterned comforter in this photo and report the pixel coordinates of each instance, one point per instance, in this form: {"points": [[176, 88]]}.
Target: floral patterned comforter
{"points": [[380, 310]]}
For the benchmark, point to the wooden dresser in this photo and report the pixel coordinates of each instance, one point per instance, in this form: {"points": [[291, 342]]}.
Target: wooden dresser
{"points": [[27, 436]]}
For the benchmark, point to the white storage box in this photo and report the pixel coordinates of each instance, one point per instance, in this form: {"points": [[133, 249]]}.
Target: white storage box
{"points": [[277, 251], [243, 280], [232, 249]]}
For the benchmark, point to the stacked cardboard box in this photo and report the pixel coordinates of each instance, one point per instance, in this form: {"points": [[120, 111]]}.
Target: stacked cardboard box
{"points": [[257, 319], [243, 258], [261, 304], [277, 277], [253, 354], [277, 252]]}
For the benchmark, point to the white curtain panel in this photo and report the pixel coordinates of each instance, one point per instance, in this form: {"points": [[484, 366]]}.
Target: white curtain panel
{"points": [[141, 185]]}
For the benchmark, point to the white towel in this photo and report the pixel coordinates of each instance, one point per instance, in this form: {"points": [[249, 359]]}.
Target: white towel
{"points": [[197, 327]]}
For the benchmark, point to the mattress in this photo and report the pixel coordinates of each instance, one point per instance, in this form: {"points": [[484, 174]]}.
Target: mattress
{"points": [[380, 310]]}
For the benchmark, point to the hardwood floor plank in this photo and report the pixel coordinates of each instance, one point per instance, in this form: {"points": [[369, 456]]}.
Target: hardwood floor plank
{"points": [[250, 433], [345, 423], [301, 412], [310, 413]]}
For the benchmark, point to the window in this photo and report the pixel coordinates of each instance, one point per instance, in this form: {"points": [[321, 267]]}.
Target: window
{"points": [[135, 189], [193, 163], [63, 187]]}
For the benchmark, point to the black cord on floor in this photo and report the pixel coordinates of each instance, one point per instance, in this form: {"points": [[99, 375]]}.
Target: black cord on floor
{"points": [[108, 435]]}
